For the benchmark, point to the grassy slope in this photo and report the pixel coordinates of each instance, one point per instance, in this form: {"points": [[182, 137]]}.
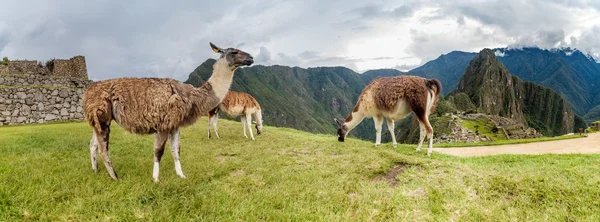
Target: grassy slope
{"points": [[284, 175]]}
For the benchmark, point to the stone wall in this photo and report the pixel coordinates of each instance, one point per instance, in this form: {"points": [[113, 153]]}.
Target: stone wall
{"points": [[34, 93], [27, 67], [32, 80], [74, 67], [39, 105]]}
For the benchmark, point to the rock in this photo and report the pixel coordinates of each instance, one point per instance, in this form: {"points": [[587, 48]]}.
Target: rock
{"points": [[78, 116], [15, 113], [40, 121], [79, 109], [63, 93], [52, 101], [21, 119], [66, 105], [55, 112], [39, 97], [2, 119], [54, 93], [73, 109], [6, 113], [3, 106], [50, 117], [59, 100], [64, 112], [26, 110], [29, 101], [21, 95]]}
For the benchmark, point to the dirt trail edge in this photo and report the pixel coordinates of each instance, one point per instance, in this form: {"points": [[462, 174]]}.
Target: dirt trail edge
{"points": [[590, 144]]}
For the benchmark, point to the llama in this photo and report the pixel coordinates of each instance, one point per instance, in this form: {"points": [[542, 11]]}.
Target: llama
{"points": [[394, 98], [237, 104], [156, 106]]}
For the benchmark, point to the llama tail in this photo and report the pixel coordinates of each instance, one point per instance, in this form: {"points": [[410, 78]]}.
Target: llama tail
{"points": [[94, 121], [430, 83]]}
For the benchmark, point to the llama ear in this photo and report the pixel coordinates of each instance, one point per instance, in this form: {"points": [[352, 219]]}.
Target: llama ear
{"points": [[337, 121], [215, 48]]}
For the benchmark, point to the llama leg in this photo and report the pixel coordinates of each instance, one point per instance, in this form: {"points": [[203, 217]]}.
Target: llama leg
{"points": [[103, 142], [390, 124], [421, 135], [159, 149], [378, 122], [94, 152], [249, 125], [214, 122], [429, 131], [174, 137], [244, 125], [210, 117]]}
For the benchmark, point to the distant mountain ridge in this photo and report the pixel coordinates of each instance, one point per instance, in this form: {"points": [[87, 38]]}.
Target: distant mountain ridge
{"points": [[568, 71]]}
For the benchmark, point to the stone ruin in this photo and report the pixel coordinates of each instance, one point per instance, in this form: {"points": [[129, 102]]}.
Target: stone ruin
{"points": [[32, 92], [502, 127]]}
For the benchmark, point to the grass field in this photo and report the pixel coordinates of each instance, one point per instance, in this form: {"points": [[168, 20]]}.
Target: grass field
{"points": [[285, 175]]}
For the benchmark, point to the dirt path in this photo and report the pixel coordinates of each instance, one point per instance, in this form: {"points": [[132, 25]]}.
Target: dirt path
{"points": [[590, 144]]}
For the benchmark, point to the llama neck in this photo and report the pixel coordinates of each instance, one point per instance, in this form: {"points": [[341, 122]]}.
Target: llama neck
{"points": [[352, 121], [258, 117], [221, 78]]}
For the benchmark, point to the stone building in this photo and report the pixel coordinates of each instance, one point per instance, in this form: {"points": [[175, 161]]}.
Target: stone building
{"points": [[32, 92]]}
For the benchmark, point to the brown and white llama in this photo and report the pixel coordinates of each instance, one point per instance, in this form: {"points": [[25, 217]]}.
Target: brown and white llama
{"points": [[237, 104], [394, 98], [156, 106]]}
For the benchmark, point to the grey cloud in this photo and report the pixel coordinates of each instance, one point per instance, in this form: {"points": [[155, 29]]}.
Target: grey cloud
{"points": [[263, 56], [378, 11], [406, 67], [588, 42], [550, 38], [158, 38]]}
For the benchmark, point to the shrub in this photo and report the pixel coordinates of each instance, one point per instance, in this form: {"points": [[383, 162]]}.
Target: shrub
{"points": [[4, 61]]}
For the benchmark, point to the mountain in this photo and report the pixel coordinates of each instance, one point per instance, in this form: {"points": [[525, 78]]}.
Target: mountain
{"points": [[494, 91], [305, 99], [447, 68], [567, 71]]}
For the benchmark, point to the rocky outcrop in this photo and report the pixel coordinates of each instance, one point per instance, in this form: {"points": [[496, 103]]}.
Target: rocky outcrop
{"points": [[494, 91]]}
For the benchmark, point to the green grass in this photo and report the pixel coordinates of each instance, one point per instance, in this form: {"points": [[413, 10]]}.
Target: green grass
{"points": [[507, 142], [483, 129], [285, 175]]}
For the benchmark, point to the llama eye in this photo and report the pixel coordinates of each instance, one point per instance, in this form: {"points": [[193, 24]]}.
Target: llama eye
{"points": [[234, 52]]}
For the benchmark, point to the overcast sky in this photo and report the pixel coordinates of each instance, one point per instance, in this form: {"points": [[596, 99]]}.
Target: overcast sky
{"points": [[170, 38]]}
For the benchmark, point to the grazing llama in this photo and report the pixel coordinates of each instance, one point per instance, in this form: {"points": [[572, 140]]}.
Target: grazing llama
{"points": [[155, 106], [237, 104], [394, 98]]}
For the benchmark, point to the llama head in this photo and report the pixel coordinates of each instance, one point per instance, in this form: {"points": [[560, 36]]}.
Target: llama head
{"points": [[342, 130], [234, 57], [258, 127]]}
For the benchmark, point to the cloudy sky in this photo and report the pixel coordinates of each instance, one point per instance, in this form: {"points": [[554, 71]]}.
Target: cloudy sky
{"points": [[170, 38]]}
